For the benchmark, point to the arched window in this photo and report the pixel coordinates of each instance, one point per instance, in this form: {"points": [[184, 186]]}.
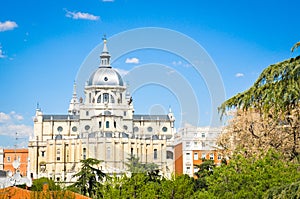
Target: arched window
{"points": [[58, 154], [99, 99], [115, 124], [105, 97], [100, 124], [112, 99], [169, 155], [155, 154], [90, 97], [84, 153], [107, 124]]}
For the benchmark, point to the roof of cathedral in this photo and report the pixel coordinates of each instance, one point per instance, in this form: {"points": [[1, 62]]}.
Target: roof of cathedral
{"points": [[151, 117], [60, 117], [105, 74]]}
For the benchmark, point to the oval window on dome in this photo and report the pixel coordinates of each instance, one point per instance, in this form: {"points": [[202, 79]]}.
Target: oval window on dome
{"points": [[125, 127], [105, 79], [136, 129], [59, 129], [74, 128], [164, 129], [87, 127], [150, 129]]}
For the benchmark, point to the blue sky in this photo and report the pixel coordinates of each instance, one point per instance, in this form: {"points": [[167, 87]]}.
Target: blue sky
{"points": [[44, 43]]}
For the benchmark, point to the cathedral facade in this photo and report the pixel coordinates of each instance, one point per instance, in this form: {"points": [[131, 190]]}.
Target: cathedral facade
{"points": [[101, 126]]}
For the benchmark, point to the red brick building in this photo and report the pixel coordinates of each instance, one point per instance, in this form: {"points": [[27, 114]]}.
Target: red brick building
{"points": [[10, 155]]}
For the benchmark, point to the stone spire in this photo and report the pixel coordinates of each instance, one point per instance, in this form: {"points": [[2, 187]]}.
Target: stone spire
{"points": [[74, 103], [105, 56], [171, 115]]}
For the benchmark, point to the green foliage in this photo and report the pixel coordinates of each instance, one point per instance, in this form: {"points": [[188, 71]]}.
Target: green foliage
{"points": [[135, 166], [37, 184], [287, 191], [204, 169], [277, 88], [89, 178], [268, 112], [179, 187], [250, 177], [295, 46], [269, 176]]}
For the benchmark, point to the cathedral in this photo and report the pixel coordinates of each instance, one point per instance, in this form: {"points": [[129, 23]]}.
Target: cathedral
{"points": [[101, 126]]}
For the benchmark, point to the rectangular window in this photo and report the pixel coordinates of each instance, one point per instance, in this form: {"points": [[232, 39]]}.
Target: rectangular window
{"points": [[219, 157], [188, 156], [211, 156], [203, 156], [8, 159], [155, 154], [68, 156], [203, 135], [43, 154], [169, 155], [121, 97], [84, 153], [188, 144], [188, 169], [196, 169], [100, 124], [87, 113], [124, 113], [195, 143], [195, 156], [58, 155], [203, 144]]}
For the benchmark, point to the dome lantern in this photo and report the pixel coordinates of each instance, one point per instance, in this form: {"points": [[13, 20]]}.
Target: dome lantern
{"points": [[105, 75], [105, 56]]}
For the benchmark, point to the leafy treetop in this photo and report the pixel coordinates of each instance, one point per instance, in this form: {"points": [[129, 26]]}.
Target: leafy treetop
{"points": [[277, 88]]}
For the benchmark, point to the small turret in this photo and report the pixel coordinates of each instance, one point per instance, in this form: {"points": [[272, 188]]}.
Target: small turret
{"points": [[74, 103]]}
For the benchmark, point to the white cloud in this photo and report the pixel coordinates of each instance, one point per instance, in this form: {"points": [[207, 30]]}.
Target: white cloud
{"points": [[7, 25], [239, 75], [9, 125], [132, 60], [180, 63], [4, 117], [18, 117], [81, 15], [176, 63], [11, 130], [121, 71]]}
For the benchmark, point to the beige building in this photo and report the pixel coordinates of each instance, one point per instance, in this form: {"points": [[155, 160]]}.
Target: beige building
{"points": [[193, 145], [102, 126]]}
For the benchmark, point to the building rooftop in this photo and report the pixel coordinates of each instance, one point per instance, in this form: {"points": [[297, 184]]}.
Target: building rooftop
{"points": [[60, 117], [151, 117]]}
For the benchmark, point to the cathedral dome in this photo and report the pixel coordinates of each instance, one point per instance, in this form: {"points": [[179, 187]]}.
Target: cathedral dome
{"points": [[105, 76]]}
